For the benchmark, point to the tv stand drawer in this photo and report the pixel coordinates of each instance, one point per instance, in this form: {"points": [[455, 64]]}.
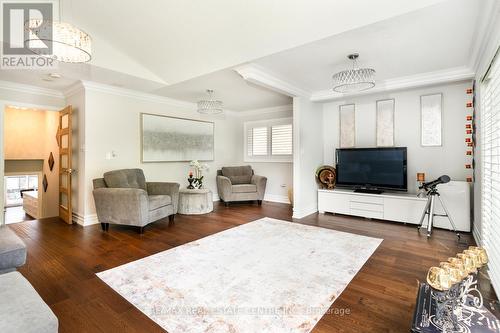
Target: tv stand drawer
{"points": [[367, 198], [372, 207], [367, 213]]}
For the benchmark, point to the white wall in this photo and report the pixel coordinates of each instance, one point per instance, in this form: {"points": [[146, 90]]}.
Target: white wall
{"points": [[279, 175], [307, 155], [112, 123], [448, 159]]}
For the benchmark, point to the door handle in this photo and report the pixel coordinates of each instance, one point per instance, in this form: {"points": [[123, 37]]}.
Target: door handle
{"points": [[69, 171]]}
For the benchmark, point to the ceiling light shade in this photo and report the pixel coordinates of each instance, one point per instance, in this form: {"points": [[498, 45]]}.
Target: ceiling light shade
{"points": [[355, 79], [69, 43], [210, 105]]}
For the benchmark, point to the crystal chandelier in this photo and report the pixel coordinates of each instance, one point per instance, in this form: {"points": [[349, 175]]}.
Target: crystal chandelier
{"points": [[355, 79], [69, 43], [210, 105]]}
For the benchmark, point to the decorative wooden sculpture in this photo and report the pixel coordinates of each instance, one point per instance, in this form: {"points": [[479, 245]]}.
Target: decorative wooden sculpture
{"points": [[326, 177]]}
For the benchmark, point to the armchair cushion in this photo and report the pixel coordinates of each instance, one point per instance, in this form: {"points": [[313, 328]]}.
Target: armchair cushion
{"points": [[161, 188], [125, 178], [158, 201], [122, 206], [245, 188], [12, 250], [238, 175]]}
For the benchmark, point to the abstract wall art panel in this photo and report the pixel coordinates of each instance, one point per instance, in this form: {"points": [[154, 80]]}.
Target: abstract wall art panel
{"points": [[431, 118], [347, 126], [169, 139], [385, 123]]}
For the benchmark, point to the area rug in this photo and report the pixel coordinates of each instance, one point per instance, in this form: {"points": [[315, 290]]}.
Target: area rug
{"points": [[265, 276]]}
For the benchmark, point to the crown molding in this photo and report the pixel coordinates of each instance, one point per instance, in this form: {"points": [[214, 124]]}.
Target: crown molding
{"points": [[274, 109], [108, 89], [29, 89], [258, 75], [485, 32], [74, 89], [414, 81], [100, 87]]}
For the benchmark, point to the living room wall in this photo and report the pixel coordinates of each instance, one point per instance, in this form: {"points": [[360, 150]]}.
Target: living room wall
{"points": [[448, 159], [112, 126]]}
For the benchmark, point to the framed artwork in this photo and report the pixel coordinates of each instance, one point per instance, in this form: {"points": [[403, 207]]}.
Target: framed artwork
{"points": [[385, 123], [347, 126], [431, 120], [171, 139]]}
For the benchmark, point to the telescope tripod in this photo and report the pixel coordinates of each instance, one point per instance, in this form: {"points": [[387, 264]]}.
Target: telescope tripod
{"points": [[429, 211]]}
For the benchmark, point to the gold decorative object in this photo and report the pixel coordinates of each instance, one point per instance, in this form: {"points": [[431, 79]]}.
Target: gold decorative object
{"points": [[455, 290], [453, 272], [468, 263], [326, 177], [475, 258], [482, 253], [459, 264], [439, 279]]}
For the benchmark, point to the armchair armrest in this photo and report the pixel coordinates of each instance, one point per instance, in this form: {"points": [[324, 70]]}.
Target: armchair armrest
{"points": [[159, 188], [224, 187], [128, 206], [261, 182]]}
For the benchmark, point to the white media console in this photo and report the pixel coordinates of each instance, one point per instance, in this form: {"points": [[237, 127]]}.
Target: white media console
{"points": [[400, 207]]}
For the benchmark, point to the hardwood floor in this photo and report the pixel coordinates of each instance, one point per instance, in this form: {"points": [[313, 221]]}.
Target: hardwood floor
{"points": [[63, 259]]}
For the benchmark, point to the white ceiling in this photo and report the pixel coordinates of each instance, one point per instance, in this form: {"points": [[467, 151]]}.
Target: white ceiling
{"points": [[169, 48], [236, 93], [178, 40], [431, 39]]}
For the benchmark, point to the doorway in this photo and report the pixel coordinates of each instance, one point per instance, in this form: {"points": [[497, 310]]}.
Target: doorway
{"points": [[31, 167]]}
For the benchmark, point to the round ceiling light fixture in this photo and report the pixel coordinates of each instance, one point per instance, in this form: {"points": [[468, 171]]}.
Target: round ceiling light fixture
{"points": [[354, 79], [210, 106], [69, 43]]}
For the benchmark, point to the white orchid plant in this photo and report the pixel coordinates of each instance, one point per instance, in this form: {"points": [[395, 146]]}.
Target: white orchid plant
{"points": [[199, 168]]}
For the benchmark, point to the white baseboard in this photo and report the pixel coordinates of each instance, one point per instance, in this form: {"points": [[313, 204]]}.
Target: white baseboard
{"points": [[85, 220], [267, 197], [276, 198], [308, 210]]}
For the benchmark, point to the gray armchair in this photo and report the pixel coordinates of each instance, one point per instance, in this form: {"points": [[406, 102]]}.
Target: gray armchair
{"points": [[240, 184], [124, 197]]}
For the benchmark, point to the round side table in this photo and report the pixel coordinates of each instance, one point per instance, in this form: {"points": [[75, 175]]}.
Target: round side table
{"points": [[195, 202]]}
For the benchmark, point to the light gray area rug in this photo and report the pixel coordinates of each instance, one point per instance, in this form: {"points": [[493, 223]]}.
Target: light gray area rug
{"points": [[265, 276]]}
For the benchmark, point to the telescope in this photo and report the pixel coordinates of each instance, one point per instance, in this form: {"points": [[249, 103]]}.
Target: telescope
{"points": [[432, 194], [441, 180]]}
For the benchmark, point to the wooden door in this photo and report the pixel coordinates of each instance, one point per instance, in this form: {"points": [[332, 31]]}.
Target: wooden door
{"points": [[65, 168]]}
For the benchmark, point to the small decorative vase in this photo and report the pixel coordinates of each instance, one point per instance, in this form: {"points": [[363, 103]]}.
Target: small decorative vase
{"points": [[191, 180], [198, 182]]}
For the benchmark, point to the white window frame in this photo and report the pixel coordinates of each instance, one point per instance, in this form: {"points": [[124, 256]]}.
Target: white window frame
{"points": [[490, 166], [269, 123]]}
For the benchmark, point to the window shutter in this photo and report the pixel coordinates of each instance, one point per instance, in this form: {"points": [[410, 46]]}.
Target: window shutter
{"points": [[249, 142], [281, 140], [259, 141], [490, 144]]}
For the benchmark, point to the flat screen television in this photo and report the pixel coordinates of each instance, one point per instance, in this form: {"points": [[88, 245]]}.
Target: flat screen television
{"points": [[372, 169]]}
